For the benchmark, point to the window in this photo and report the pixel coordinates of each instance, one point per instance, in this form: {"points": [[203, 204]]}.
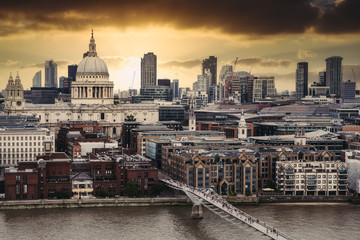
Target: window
{"points": [[102, 116]]}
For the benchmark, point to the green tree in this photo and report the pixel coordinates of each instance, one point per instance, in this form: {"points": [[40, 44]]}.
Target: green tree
{"points": [[102, 193], [62, 194], [131, 189], [130, 118], [157, 188]]}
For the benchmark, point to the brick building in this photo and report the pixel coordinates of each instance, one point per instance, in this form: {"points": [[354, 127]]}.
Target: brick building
{"points": [[55, 172]]}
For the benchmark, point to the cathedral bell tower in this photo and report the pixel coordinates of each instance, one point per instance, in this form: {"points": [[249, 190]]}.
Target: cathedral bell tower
{"points": [[14, 93]]}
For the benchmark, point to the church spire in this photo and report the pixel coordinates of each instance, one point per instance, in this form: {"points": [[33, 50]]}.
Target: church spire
{"points": [[92, 45]]}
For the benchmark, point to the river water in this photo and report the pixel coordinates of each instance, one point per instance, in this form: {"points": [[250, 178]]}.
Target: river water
{"points": [[174, 223]]}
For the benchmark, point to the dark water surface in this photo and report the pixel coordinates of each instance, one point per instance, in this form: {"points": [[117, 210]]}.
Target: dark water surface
{"points": [[174, 223]]}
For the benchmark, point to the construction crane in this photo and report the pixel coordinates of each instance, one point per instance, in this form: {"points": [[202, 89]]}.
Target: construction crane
{"points": [[132, 82], [228, 83]]}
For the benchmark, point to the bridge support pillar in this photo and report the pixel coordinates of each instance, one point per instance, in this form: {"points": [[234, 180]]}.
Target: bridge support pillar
{"points": [[196, 212]]}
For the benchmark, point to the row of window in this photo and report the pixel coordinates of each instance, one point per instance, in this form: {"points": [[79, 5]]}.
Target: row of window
{"points": [[22, 138], [21, 144]]}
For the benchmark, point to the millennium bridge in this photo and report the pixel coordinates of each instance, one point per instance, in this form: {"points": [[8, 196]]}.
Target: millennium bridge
{"points": [[215, 203]]}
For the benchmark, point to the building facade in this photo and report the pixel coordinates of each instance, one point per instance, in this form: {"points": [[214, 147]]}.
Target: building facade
{"points": [[36, 82], [148, 70], [227, 172], [24, 143], [51, 74], [210, 64], [302, 80], [333, 74], [263, 87], [312, 178]]}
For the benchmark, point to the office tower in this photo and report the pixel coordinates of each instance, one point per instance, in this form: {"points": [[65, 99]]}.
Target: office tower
{"points": [[263, 87], [348, 90], [302, 80], [50, 74], [164, 82], [211, 64], [175, 88], [37, 79], [72, 71], [148, 70], [322, 78], [333, 74], [203, 81], [224, 72], [61, 81]]}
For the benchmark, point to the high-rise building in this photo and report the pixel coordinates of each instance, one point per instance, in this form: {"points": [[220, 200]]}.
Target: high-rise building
{"points": [[211, 64], [61, 82], [224, 72], [302, 80], [175, 88], [348, 90], [333, 74], [51, 74], [148, 70], [263, 87], [37, 79], [203, 81], [322, 78], [72, 71]]}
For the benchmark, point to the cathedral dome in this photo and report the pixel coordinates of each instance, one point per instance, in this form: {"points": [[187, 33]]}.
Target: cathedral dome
{"points": [[92, 65]]}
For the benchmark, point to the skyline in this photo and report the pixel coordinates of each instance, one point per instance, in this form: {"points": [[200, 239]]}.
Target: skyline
{"points": [[30, 34]]}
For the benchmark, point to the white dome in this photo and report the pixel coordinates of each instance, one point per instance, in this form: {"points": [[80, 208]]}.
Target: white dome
{"points": [[92, 66]]}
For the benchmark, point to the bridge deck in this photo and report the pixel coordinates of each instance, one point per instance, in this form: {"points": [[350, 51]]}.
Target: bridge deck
{"points": [[216, 200]]}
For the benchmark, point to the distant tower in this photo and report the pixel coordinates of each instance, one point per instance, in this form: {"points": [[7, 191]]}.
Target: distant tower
{"points": [[14, 93], [175, 88], [300, 138], [37, 79], [333, 74], [148, 70], [51, 74], [242, 127], [192, 117], [302, 80], [211, 64]]}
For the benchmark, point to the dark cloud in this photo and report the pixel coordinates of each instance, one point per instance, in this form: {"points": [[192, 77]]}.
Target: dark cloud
{"points": [[252, 17], [343, 17], [184, 64], [263, 62]]}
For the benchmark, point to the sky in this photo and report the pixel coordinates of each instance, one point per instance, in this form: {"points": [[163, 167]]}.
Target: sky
{"points": [[268, 36]]}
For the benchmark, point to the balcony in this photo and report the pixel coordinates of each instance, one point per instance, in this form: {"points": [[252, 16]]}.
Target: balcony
{"points": [[342, 182]]}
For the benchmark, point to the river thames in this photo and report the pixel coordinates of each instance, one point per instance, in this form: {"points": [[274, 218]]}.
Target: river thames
{"points": [[174, 223]]}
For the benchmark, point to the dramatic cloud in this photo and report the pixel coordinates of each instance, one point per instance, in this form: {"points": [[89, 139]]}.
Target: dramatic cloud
{"points": [[184, 64], [343, 17], [254, 17], [264, 62], [305, 54]]}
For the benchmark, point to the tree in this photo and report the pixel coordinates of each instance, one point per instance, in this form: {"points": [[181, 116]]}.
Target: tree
{"points": [[131, 189], [157, 188], [101, 193], [62, 194], [130, 118]]}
